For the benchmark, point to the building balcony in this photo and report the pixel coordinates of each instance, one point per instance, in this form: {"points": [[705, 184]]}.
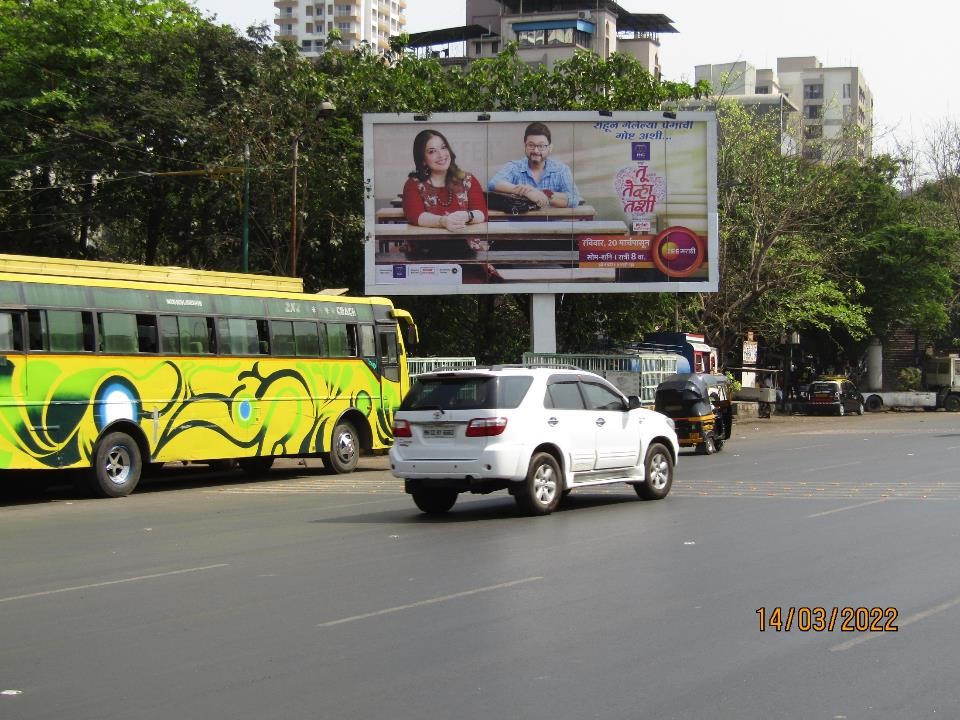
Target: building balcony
{"points": [[346, 18]]}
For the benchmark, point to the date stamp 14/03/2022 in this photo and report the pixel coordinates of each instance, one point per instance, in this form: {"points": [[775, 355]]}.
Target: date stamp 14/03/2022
{"points": [[822, 619]]}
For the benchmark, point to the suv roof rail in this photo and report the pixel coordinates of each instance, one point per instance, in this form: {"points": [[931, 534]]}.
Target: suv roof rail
{"points": [[533, 365]]}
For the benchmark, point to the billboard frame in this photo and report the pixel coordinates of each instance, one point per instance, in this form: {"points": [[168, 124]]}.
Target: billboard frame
{"points": [[372, 121]]}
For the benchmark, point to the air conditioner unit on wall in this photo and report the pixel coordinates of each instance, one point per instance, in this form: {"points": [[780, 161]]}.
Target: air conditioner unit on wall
{"points": [[584, 15]]}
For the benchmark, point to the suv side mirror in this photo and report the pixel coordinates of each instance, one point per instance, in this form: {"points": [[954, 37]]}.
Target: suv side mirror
{"points": [[633, 402]]}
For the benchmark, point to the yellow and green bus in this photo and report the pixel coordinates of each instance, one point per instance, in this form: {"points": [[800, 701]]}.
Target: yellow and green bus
{"points": [[114, 367]]}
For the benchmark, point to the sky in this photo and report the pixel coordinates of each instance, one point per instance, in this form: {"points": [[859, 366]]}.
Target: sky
{"points": [[910, 70]]}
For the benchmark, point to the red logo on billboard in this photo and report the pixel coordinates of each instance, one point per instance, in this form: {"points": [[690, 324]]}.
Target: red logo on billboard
{"points": [[677, 251]]}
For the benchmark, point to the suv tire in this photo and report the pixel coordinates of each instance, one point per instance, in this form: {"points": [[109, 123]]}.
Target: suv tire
{"points": [[540, 493], [657, 474]]}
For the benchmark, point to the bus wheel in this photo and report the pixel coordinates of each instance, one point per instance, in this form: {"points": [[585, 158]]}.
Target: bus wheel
{"points": [[116, 465], [255, 467], [951, 403], [344, 450]]}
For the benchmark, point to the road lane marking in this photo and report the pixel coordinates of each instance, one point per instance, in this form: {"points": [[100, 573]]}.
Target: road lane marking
{"points": [[848, 507], [923, 615], [111, 582], [430, 601], [832, 467]]}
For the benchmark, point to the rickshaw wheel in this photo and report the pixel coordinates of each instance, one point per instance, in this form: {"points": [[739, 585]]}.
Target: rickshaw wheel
{"points": [[708, 446]]}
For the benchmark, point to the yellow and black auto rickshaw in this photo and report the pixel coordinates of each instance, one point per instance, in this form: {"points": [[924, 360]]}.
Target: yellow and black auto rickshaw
{"points": [[700, 407]]}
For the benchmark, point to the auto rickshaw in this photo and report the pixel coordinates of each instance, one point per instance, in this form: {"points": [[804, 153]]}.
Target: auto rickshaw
{"points": [[700, 407]]}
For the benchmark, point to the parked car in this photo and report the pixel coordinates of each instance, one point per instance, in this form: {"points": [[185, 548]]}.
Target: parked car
{"points": [[537, 432], [837, 396]]}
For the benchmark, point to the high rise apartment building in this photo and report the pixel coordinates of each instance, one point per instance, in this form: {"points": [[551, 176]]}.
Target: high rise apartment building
{"points": [[546, 31], [309, 22], [836, 104]]}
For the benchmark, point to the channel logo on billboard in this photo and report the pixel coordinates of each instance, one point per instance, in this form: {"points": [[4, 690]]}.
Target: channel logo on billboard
{"points": [[640, 151]]}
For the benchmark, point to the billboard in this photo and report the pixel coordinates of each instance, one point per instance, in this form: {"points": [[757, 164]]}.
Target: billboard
{"points": [[552, 202]]}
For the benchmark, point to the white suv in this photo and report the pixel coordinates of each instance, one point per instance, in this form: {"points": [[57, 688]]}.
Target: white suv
{"points": [[537, 432]]}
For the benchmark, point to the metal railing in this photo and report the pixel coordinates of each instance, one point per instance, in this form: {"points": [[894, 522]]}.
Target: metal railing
{"points": [[635, 374], [419, 365]]}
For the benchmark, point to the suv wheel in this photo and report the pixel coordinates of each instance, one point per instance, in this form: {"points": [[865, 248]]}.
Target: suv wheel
{"points": [[434, 501], [657, 474], [540, 493], [842, 409]]}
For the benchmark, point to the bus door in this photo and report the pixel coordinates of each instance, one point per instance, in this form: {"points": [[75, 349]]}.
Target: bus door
{"points": [[389, 350]]}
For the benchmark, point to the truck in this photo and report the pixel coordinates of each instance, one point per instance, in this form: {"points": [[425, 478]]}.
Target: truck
{"points": [[633, 373], [700, 357], [941, 389]]}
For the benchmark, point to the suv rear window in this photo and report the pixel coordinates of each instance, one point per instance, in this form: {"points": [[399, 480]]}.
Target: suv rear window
{"points": [[467, 393]]}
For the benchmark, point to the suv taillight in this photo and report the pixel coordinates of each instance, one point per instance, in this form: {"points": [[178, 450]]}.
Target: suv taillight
{"points": [[401, 428], [486, 427]]}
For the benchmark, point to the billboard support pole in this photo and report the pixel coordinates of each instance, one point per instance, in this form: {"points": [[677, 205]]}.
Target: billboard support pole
{"points": [[543, 323]]}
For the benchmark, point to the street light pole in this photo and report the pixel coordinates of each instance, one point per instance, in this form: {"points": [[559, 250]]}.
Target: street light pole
{"points": [[245, 259], [293, 209], [324, 110]]}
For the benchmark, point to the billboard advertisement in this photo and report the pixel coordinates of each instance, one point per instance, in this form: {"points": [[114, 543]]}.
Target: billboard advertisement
{"points": [[553, 202]]}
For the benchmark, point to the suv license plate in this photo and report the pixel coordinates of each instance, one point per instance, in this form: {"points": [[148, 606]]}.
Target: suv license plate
{"points": [[439, 431]]}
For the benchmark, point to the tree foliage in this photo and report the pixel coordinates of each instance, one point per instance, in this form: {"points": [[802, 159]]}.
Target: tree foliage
{"points": [[125, 126]]}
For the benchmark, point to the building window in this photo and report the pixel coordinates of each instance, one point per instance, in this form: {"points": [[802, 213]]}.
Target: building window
{"points": [[811, 112], [560, 36], [763, 90], [532, 38], [813, 92], [309, 27], [846, 90], [813, 132], [306, 45], [309, 10]]}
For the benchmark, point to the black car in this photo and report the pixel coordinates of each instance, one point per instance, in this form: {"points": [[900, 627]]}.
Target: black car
{"points": [[838, 396]]}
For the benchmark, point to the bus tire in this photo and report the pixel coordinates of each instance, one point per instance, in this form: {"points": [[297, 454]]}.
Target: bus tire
{"points": [[951, 403], [344, 450], [117, 465]]}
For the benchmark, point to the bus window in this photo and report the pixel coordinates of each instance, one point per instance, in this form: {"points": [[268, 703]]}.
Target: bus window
{"points": [[70, 330], [118, 333], [169, 335], [240, 336], [147, 333], [338, 341], [11, 334], [368, 345], [194, 335], [307, 340], [282, 337], [324, 344], [36, 329], [389, 351]]}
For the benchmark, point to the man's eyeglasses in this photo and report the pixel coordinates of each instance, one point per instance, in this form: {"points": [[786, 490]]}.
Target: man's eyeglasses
{"points": [[541, 147]]}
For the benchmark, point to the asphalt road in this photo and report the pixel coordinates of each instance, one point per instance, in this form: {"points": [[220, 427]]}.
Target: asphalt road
{"points": [[306, 596]]}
